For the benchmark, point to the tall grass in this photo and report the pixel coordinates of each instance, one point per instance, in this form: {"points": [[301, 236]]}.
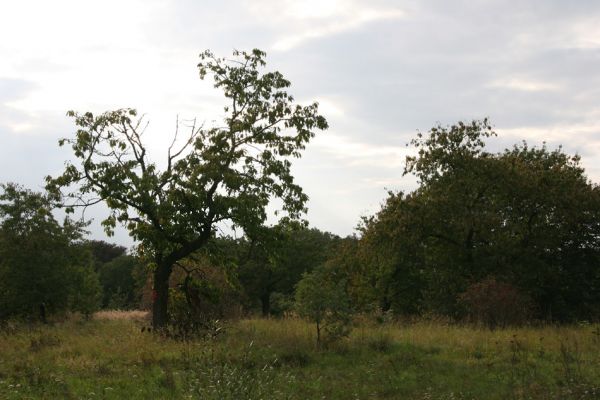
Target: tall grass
{"points": [[111, 358], [136, 315]]}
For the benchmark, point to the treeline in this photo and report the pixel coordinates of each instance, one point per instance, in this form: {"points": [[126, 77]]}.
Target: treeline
{"points": [[497, 238]]}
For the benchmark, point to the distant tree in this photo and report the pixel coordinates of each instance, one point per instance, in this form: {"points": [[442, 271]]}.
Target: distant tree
{"points": [[274, 261], [88, 292], [321, 297], [224, 173], [42, 267], [119, 284], [122, 276], [103, 252]]}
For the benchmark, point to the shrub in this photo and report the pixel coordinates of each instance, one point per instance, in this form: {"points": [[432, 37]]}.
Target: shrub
{"points": [[187, 319], [495, 304]]}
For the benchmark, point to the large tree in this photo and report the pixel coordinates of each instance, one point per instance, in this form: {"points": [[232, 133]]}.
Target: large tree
{"points": [[527, 216], [227, 173]]}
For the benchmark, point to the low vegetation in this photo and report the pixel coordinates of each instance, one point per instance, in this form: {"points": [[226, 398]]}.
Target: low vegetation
{"points": [[111, 358]]}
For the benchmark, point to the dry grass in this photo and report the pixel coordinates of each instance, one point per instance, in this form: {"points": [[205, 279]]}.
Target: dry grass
{"points": [[111, 358], [134, 315]]}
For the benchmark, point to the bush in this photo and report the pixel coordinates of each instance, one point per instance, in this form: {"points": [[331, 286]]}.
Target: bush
{"points": [[192, 315], [198, 299], [495, 304]]}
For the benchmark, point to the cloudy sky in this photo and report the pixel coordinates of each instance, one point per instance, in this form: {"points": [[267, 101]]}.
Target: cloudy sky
{"points": [[381, 70]]}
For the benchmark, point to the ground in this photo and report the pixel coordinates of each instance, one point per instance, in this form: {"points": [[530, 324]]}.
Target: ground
{"points": [[110, 357]]}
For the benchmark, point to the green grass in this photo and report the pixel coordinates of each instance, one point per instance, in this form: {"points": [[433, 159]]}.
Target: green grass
{"points": [[278, 359]]}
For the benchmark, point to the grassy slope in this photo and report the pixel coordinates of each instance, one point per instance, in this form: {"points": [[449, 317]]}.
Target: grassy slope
{"points": [[270, 359]]}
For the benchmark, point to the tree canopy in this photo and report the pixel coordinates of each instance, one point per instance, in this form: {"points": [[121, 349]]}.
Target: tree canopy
{"points": [[527, 216]]}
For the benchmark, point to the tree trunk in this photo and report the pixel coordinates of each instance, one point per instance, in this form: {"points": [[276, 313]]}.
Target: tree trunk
{"points": [[265, 301], [318, 334], [160, 296]]}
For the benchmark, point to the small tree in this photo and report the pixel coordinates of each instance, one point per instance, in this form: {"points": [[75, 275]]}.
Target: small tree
{"points": [[322, 299], [88, 292], [227, 173]]}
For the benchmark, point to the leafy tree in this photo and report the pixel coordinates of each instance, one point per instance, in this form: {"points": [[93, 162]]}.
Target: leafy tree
{"points": [[376, 280], [103, 252], [274, 261], [119, 285], [41, 265], [321, 297], [224, 173], [527, 216], [88, 292]]}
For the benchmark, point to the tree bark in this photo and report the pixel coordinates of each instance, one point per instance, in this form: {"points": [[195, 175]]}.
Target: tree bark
{"points": [[318, 334], [265, 301], [160, 296]]}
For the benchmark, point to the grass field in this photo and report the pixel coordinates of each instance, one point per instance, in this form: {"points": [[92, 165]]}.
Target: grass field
{"points": [[110, 358]]}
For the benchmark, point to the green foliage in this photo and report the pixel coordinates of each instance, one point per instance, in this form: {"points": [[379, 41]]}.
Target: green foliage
{"points": [[253, 377], [228, 173], [322, 299], [275, 258], [120, 287], [527, 215], [103, 252], [281, 304], [88, 292], [41, 265]]}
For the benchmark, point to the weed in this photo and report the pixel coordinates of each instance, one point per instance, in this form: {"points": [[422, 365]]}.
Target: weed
{"points": [[254, 377], [43, 341], [295, 357], [570, 361], [168, 378], [382, 342], [596, 334]]}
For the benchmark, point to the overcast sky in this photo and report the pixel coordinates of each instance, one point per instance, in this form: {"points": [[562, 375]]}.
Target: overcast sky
{"points": [[381, 70]]}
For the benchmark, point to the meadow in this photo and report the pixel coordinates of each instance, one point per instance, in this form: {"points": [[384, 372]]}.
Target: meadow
{"points": [[110, 357]]}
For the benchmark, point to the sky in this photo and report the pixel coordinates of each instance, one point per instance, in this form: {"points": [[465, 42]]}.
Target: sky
{"points": [[381, 71]]}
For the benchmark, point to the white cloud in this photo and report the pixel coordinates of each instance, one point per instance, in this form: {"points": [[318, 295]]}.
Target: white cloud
{"points": [[585, 34], [354, 153], [559, 133], [346, 22], [330, 107], [582, 138], [526, 85], [299, 21]]}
